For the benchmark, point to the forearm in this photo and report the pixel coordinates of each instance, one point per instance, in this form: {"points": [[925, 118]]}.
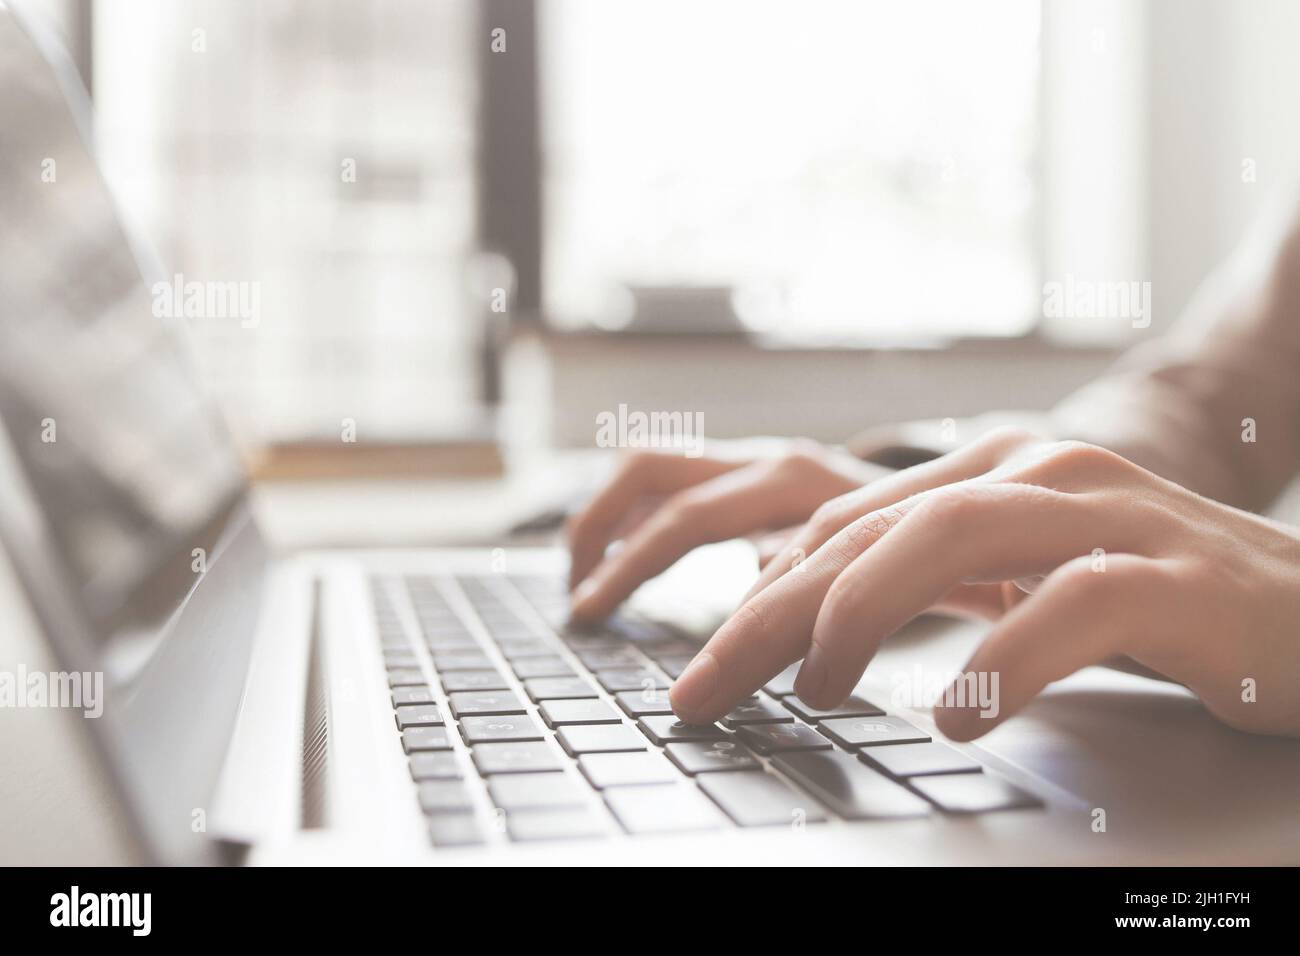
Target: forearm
{"points": [[1215, 406]]}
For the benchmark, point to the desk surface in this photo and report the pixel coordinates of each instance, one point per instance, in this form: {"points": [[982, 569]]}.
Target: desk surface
{"points": [[414, 513]]}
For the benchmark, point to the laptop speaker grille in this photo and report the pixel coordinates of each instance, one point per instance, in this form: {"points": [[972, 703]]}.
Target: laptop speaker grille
{"points": [[315, 730]]}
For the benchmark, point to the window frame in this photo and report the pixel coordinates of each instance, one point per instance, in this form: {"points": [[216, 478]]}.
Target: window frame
{"points": [[512, 171]]}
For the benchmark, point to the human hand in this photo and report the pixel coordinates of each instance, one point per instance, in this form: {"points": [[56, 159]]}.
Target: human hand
{"points": [[1130, 564], [663, 505]]}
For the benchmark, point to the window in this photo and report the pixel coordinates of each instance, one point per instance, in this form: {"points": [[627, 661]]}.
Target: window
{"points": [[849, 169], [323, 151]]}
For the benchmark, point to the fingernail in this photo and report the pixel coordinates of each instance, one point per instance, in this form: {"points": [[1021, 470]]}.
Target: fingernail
{"points": [[692, 691], [581, 598], [811, 680]]}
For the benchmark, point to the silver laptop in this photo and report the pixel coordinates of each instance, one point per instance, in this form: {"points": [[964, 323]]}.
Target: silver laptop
{"points": [[208, 702]]}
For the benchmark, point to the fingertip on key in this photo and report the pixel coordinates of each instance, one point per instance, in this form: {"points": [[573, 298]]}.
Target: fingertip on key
{"points": [[692, 692], [811, 684], [582, 601], [960, 724]]}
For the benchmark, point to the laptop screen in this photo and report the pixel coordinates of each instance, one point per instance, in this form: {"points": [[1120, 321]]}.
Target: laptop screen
{"points": [[131, 469], [123, 509]]}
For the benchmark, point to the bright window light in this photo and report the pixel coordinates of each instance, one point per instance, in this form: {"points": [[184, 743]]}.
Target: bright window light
{"points": [[851, 170]]}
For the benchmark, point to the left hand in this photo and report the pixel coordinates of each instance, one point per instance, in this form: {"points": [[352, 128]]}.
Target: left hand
{"points": [[1131, 564], [662, 506]]}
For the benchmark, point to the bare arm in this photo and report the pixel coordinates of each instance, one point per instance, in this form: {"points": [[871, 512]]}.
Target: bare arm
{"points": [[1215, 405]]}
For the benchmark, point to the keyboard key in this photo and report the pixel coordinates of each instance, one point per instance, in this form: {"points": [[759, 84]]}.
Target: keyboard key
{"points": [[425, 738], [599, 738], [644, 703], [498, 616], [454, 829], [557, 713], [674, 667], [491, 608], [532, 791], [552, 666], [610, 658], [850, 789], [439, 622], [486, 702], [537, 587], [782, 685], [418, 715], [504, 727], [515, 633], [435, 613], [624, 770], [918, 760], [437, 765], [662, 809], [780, 738], [555, 615], [441, 630], [591, 640], [393, 640], [760, 800], [639, 678], [671, 648], [638, 630], [521, 649], [853, 707], [441, 796], [757, 710], [448, 661], [872, 731], [411, 695], [558, 688], [529, 825], [973, 793], [473, 680], [663, 730], [460, 641], [393, 659], [514, 758], [405, 677], [709, 757], [436, 628], [434, 610]]}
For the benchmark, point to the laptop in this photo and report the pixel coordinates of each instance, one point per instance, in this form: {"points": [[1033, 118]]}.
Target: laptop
{"points": [[207, 701]]}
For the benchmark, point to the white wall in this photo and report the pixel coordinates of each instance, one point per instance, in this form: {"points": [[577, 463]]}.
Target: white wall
{"points": [[1223, 78]]}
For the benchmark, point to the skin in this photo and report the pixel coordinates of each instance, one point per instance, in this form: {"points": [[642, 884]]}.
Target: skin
{"points": [[1120, 562]]}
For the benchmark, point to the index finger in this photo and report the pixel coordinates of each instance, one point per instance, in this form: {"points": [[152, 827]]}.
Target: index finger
{"points": [[964, 463], [645, 473], [715, 510], [767, 634]]}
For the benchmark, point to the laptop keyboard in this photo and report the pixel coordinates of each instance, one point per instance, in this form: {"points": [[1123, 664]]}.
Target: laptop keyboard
{"points": [[517, 728]]}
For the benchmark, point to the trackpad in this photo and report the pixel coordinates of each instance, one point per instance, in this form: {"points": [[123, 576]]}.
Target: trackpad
{"points": [[1145, 750]]}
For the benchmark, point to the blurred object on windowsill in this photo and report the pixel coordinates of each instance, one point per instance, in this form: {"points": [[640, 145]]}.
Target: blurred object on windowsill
{"points": [[686, 310]]}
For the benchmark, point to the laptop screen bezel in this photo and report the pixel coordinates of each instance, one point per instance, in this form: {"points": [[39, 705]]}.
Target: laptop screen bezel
{"points": [[165, 726]]}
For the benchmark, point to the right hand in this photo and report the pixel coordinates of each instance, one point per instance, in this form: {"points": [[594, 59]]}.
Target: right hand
{"points": [[663, 505]]}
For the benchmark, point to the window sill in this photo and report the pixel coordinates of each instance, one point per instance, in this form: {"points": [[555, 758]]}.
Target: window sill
{"points": [[1031, 344], [557, 382]]}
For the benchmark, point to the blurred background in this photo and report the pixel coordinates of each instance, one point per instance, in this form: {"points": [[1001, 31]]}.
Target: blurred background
{"points": [[481, 223]]}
